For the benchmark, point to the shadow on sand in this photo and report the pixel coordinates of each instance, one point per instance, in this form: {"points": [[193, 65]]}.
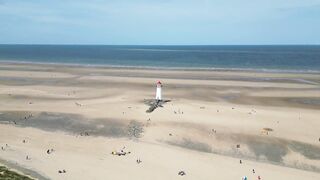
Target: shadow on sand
{"points": [[154, 104], [260, 148], [74, 124]]}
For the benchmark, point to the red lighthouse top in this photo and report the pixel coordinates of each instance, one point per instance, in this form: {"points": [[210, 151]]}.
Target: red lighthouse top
{"points": [[159, 84]]}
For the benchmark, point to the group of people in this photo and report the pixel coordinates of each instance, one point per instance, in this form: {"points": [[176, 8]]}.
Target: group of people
{"points": [[62, 171], [214, 131], [4, 148], [84, 134], [181, 173], [246, 178], [49, 151], [178, 112], [138, 161], [121, 152]]}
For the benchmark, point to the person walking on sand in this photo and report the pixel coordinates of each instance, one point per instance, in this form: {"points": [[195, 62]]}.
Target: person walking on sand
{"points": [[139, 161]]}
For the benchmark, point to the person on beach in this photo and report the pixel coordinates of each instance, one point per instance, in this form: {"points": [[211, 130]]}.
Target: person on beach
{"points": [[62, 171], [139, 161], [181, 173]]}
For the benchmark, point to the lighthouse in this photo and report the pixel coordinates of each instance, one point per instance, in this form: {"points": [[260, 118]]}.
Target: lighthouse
{"points": [[158, 92], [158, 101]]}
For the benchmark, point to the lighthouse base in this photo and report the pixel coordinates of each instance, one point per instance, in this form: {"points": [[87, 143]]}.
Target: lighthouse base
{"points": [[154, 104]]}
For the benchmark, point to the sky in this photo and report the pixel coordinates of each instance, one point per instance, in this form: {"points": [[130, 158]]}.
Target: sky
{"points": [[160, 22]]}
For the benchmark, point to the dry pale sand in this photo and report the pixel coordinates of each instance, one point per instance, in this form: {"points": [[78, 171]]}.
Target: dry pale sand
{"points": [[84, 114]]}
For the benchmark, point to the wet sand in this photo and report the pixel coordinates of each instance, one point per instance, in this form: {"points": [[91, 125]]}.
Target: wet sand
{"points": [[85, 113]]}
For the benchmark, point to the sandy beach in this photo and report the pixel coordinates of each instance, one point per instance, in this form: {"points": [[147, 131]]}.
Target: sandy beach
{"points": [[64, 122]]}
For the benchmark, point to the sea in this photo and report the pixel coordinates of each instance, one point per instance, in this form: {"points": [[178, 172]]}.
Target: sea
{"points": [[297, 58]]}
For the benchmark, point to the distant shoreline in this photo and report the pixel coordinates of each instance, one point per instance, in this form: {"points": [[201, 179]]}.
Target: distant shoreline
{"points": [[109, 66]]}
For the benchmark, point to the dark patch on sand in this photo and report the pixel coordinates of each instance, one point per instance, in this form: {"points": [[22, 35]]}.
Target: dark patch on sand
{"points": [[135, 129], [75, 81], [274, 149], [71, 123], [229, 97], [192, 144], [22, 81], [308, 101], [307, 150], [261, 148], [303, 102], [44, 98], [153, 103]]}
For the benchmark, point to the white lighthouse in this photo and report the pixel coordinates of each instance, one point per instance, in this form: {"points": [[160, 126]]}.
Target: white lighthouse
{"points": [[158, 92]]}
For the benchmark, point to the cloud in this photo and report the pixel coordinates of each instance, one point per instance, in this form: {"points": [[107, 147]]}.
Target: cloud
{"points": [[38, 13]]}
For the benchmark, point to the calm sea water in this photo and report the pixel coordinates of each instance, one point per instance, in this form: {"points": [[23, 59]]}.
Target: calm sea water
{"points": [[295, 58]]}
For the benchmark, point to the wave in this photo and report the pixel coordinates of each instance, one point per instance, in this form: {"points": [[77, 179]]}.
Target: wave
{"points": [[218, 51]]}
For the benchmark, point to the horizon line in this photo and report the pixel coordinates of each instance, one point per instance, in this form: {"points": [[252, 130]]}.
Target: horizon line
{"points": [[70, 44]]}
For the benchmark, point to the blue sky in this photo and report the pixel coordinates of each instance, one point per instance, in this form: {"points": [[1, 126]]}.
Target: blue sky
{"points": [[169, 22]]}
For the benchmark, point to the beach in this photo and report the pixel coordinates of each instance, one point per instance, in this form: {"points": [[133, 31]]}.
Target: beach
{"points": [[65, 122]]}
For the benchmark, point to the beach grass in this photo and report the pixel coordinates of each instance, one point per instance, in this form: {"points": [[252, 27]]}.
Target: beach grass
{"points": [[6, 174]]}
